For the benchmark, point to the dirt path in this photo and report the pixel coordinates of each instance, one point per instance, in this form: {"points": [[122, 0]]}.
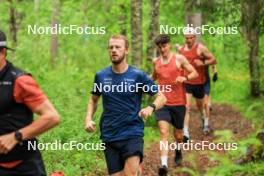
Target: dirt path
{"points": [[223, 117]]}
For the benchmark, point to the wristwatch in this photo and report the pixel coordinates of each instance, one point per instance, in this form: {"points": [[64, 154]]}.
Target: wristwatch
{"points": [[19, 137], [153, 106]]}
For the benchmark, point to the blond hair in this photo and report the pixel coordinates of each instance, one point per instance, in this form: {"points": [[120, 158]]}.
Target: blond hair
{"points": [[119, 36]]}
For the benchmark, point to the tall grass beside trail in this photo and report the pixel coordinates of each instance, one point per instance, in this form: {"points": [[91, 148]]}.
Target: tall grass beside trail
{"points": [[68, 82]]}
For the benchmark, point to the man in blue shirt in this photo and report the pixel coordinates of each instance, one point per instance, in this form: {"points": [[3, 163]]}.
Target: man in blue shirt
{"points": [[121, 87]]}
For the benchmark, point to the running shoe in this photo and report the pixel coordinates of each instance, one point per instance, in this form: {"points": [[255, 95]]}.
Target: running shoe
{"points": [[178, 157], [206, 129], [186, 139], [163, 170]]}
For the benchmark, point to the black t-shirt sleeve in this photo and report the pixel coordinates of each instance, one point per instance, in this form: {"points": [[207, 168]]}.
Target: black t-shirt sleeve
{"points": [[96, 86]]}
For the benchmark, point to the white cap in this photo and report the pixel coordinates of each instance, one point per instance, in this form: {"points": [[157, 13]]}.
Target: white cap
{"points": [[189, 31], [3, 43]]}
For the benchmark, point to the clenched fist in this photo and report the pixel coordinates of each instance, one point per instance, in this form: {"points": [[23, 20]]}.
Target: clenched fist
{"points": [[90, 126]]}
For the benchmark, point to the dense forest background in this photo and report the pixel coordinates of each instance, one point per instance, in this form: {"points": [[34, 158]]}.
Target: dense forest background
{"points": [[64, 65]]}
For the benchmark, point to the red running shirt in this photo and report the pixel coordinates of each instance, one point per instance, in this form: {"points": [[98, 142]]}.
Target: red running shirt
{"points": [[166, 75], [191, 55]]}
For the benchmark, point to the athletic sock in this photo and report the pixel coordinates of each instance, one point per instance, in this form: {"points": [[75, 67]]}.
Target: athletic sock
{"points": [[164, 160], [206, 121], [186, 132], [202, 115]]}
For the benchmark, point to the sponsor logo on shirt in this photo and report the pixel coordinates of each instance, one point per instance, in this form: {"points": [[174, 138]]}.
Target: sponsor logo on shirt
{"points": [[5, 83]]}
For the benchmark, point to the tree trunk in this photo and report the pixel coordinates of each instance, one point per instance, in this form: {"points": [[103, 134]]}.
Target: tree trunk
{"points": [[254, 63], [192, 17], [36, 5], [136, 29], [209, 7], [54, 37], [123, 19], [153, 32], [12, 22], [250, 22]]}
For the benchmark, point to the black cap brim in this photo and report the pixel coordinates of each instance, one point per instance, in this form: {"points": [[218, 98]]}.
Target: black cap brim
{"points": [[8, 48]]}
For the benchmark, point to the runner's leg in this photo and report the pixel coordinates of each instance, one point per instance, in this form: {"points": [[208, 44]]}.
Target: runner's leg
{"points": [[178, 122], [187, 117], [206, 106], [200, 106], [207, 87], [121, 173], [210, 102], [163, 117], [164, 135], [132, 166], [178, 135]]}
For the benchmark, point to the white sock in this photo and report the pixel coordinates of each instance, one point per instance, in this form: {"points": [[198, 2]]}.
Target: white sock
{"points": [[164, 160], [202, 114], [186, 131], [206, 121]]}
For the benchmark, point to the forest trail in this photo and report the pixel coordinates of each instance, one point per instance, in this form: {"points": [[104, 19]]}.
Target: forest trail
{"points": [[223, 117]]}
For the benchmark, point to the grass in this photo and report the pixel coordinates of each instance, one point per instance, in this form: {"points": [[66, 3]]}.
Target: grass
{"points": [[67, 84]]}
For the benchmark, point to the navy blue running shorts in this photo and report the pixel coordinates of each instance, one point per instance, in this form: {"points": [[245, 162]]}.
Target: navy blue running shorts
{"points": [[117, 152]]}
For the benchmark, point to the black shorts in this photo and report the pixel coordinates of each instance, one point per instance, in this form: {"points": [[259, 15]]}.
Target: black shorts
{"points": [[196, 90], [33, 166], [117, 152], [172, 114]]}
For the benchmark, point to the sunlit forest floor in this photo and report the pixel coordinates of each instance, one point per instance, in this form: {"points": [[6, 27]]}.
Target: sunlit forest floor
{"points": [[228, 126]]}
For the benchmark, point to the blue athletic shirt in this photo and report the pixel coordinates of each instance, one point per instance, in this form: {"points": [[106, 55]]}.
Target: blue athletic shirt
{"points": [[121, 95]]}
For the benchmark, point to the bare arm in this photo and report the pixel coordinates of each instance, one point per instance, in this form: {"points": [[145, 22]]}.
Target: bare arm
{"points": [[214, 68], [188, 67], [48, 118], [206, 53], [92, 106], [178, 47], [215, 75], [153, 75], [159, 102], [183, 63]]}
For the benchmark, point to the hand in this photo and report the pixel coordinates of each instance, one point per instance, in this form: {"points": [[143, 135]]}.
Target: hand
{"points": [[198, 62], [145, 112], [90, 126], [177, 46], [180, 79], [7, 143], [215, 77]]}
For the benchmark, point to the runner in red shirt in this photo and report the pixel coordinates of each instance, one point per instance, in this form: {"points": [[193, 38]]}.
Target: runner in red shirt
{"points": [[199, 57], [168, 71], [20, 97]]}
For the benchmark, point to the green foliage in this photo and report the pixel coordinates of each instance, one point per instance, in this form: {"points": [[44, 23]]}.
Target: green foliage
{"points": [[67, 83]]}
